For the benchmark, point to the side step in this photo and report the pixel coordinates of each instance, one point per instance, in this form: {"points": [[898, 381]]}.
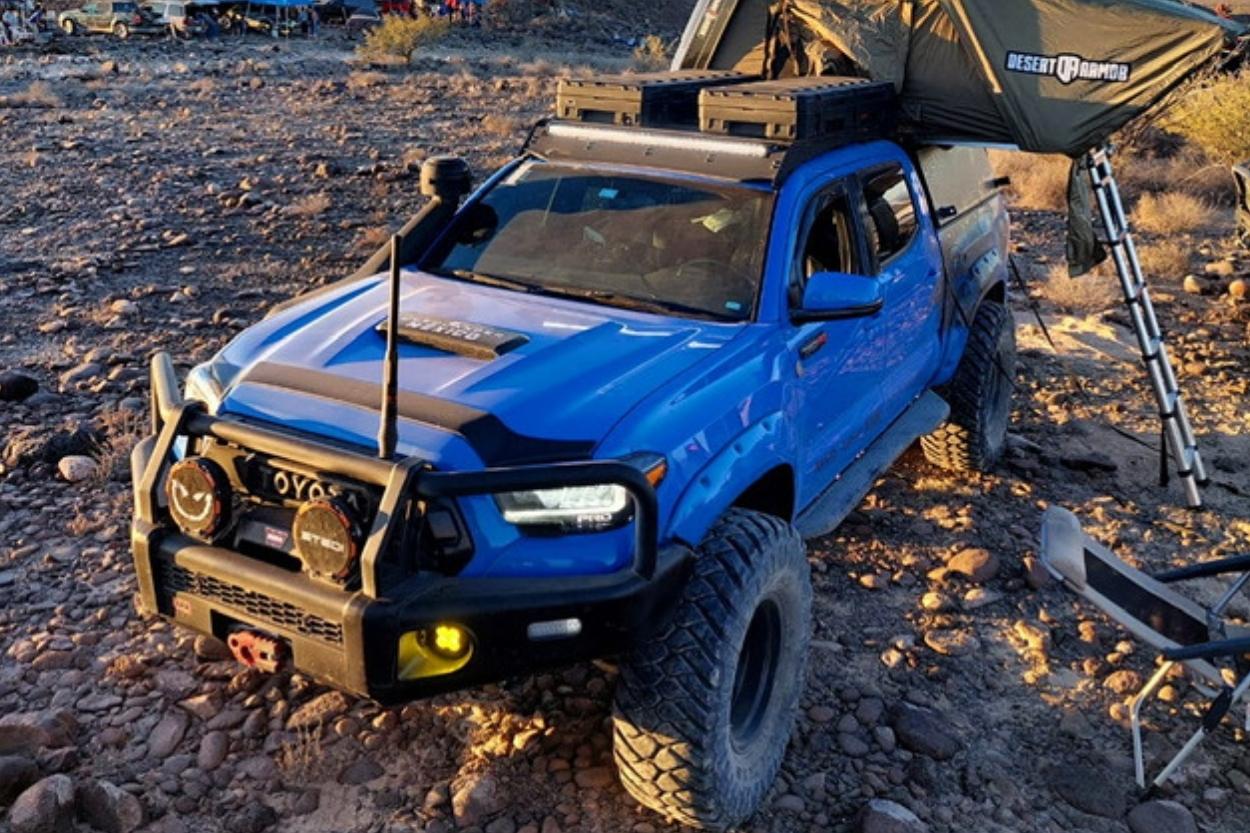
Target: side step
{"points": [[840, 499]]}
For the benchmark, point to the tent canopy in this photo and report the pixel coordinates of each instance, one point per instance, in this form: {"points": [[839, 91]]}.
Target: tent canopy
{"points": [[1050, 76]]}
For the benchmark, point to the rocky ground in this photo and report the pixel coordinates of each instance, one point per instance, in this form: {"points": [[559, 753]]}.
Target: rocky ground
{"points": [[159, 196]]}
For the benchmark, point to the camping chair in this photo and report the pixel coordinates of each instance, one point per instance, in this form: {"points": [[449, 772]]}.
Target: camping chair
{"points": [[1182, 631]]}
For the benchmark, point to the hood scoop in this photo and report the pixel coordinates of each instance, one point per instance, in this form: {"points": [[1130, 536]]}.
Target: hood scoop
{"points": [[463, 338]]}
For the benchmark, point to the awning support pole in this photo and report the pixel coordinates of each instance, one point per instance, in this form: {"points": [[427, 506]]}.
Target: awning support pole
{"points": [[1178, 433]]}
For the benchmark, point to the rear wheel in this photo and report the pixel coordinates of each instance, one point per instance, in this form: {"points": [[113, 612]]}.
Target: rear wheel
{"points": [[704, 709], [980, 396], [121, 30], [69, 27]]}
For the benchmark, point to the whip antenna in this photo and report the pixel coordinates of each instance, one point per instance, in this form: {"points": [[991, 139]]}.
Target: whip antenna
{"points": [[390, 364]]}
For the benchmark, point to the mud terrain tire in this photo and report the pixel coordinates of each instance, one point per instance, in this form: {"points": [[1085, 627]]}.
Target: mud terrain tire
{"points": [[705, 707], [974, 436]]}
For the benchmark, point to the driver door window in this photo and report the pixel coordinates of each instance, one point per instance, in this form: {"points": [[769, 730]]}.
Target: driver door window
{"points": [[828, 241]]}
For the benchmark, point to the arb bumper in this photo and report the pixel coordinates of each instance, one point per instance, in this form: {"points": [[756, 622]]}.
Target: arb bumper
{"points": [[402, 635]]}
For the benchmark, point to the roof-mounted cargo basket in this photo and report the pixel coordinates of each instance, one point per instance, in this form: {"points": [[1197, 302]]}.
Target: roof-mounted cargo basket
{"points": [[651, 99], [825, 109]]}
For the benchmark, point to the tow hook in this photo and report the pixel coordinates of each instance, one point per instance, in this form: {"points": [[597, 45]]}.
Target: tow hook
{"points": [[256, 650]]}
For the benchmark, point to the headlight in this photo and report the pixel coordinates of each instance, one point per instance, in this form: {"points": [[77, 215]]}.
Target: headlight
{"points": [[202, 386], [574, 507], [581, 508]]}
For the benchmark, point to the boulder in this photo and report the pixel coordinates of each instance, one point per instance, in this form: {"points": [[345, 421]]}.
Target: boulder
{"points": [[924, 732], [975, 564], [476, 799], [45, 807], [17, 772], [109, 808], [1161, 817], [14, 386]]}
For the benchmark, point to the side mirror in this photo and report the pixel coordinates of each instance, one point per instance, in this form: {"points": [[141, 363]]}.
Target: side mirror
{"points": [[446, 178], [831, 296]]}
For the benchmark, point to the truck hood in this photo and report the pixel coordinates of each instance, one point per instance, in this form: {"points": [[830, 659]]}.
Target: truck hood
{"points": [[564, 374]]}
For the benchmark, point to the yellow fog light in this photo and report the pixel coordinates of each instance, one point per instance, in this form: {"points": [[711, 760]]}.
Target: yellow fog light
{"points": [[450, 640], [433, 652]]}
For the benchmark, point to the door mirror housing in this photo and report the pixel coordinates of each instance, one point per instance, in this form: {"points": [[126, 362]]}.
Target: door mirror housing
{"points": [[831, 296]]}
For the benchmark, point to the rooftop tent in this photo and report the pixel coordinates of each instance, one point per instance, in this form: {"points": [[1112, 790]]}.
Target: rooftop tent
{"points": [[1050, 76]]}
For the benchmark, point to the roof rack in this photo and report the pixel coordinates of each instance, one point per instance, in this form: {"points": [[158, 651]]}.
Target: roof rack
{"points": [[730, 103], [824, 108], [715, 123], [650, 99]]}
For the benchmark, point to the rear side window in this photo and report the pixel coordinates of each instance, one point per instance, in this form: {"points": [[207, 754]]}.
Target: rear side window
{"points": [[891, 212]]}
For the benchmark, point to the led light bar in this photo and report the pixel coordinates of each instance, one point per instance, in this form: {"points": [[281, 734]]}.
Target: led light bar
{"points": [[668, 141]]}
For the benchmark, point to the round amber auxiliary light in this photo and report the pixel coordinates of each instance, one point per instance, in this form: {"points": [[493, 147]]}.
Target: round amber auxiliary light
{"points": [[327, 538], [198, 493]]}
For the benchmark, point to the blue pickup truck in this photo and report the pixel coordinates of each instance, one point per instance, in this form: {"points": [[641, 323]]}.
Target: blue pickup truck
{"points": [[617, 386]]}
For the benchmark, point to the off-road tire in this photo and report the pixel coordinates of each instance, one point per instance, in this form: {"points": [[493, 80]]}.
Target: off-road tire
{"points": [[975, 435], [693, 739], [69, 27], [121, 31]]}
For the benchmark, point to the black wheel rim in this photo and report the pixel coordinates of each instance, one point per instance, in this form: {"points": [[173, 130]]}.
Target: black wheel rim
{"points": [[755, 674]]}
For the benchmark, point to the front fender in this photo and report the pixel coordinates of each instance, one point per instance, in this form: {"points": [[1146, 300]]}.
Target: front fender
{"points": [[740, 464]]}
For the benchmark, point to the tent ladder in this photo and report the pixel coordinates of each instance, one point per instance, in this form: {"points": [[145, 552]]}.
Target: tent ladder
{"points": [[1178, 433]]}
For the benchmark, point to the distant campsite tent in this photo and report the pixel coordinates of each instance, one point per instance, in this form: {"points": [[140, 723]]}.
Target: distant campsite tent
{"points": [[1050, 76]]}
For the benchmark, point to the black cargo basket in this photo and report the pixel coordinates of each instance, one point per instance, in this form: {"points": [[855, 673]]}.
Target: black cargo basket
{"points": [[651, 99], [801, 109], [1241, 175]]}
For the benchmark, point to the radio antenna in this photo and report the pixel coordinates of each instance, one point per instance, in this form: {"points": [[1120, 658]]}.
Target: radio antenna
{"points": [[390, 364]]}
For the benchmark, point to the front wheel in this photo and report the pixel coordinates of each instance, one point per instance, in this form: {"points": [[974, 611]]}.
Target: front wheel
{"points": [[704, 708], [980, 396], [121, 30]]}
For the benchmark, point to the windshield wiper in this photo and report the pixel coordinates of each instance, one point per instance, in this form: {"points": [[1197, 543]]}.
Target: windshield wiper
{"points": [[490, 280], [618, 299]]}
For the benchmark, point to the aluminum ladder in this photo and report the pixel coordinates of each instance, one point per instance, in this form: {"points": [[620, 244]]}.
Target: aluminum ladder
{"points": [[1177, 434]]}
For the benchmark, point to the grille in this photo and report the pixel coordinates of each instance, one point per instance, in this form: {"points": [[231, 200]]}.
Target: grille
{"points": [[174, 579]]}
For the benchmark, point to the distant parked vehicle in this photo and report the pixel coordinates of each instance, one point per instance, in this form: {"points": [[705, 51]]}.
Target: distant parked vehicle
{"points": [[181, 18], [120, 19]]}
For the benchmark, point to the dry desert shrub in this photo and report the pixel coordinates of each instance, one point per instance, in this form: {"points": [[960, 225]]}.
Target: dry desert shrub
{"points": [[309, 206], [652, 54], [1173, 212], [501, 125], [365, 80], [1167, 259], [399, 38], [1216, 118], [370, 240], [38, 94], [1092, 293], [121, 431], [1037, 182]]}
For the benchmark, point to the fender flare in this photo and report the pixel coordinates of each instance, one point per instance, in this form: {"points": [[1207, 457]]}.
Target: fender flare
{"points": [[736, 467]]}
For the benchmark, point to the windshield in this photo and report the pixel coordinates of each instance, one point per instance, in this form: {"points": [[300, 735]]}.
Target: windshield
{"points": [[125, 8], [621, 239]]}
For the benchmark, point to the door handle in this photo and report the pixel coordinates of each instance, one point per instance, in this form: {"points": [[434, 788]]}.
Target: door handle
{"points": [[813, 345]]}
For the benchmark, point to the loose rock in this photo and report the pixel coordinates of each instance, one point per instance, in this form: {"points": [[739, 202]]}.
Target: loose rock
{"points": [[882, 816], [924, 731], [45, 807], [1161, 817]]}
